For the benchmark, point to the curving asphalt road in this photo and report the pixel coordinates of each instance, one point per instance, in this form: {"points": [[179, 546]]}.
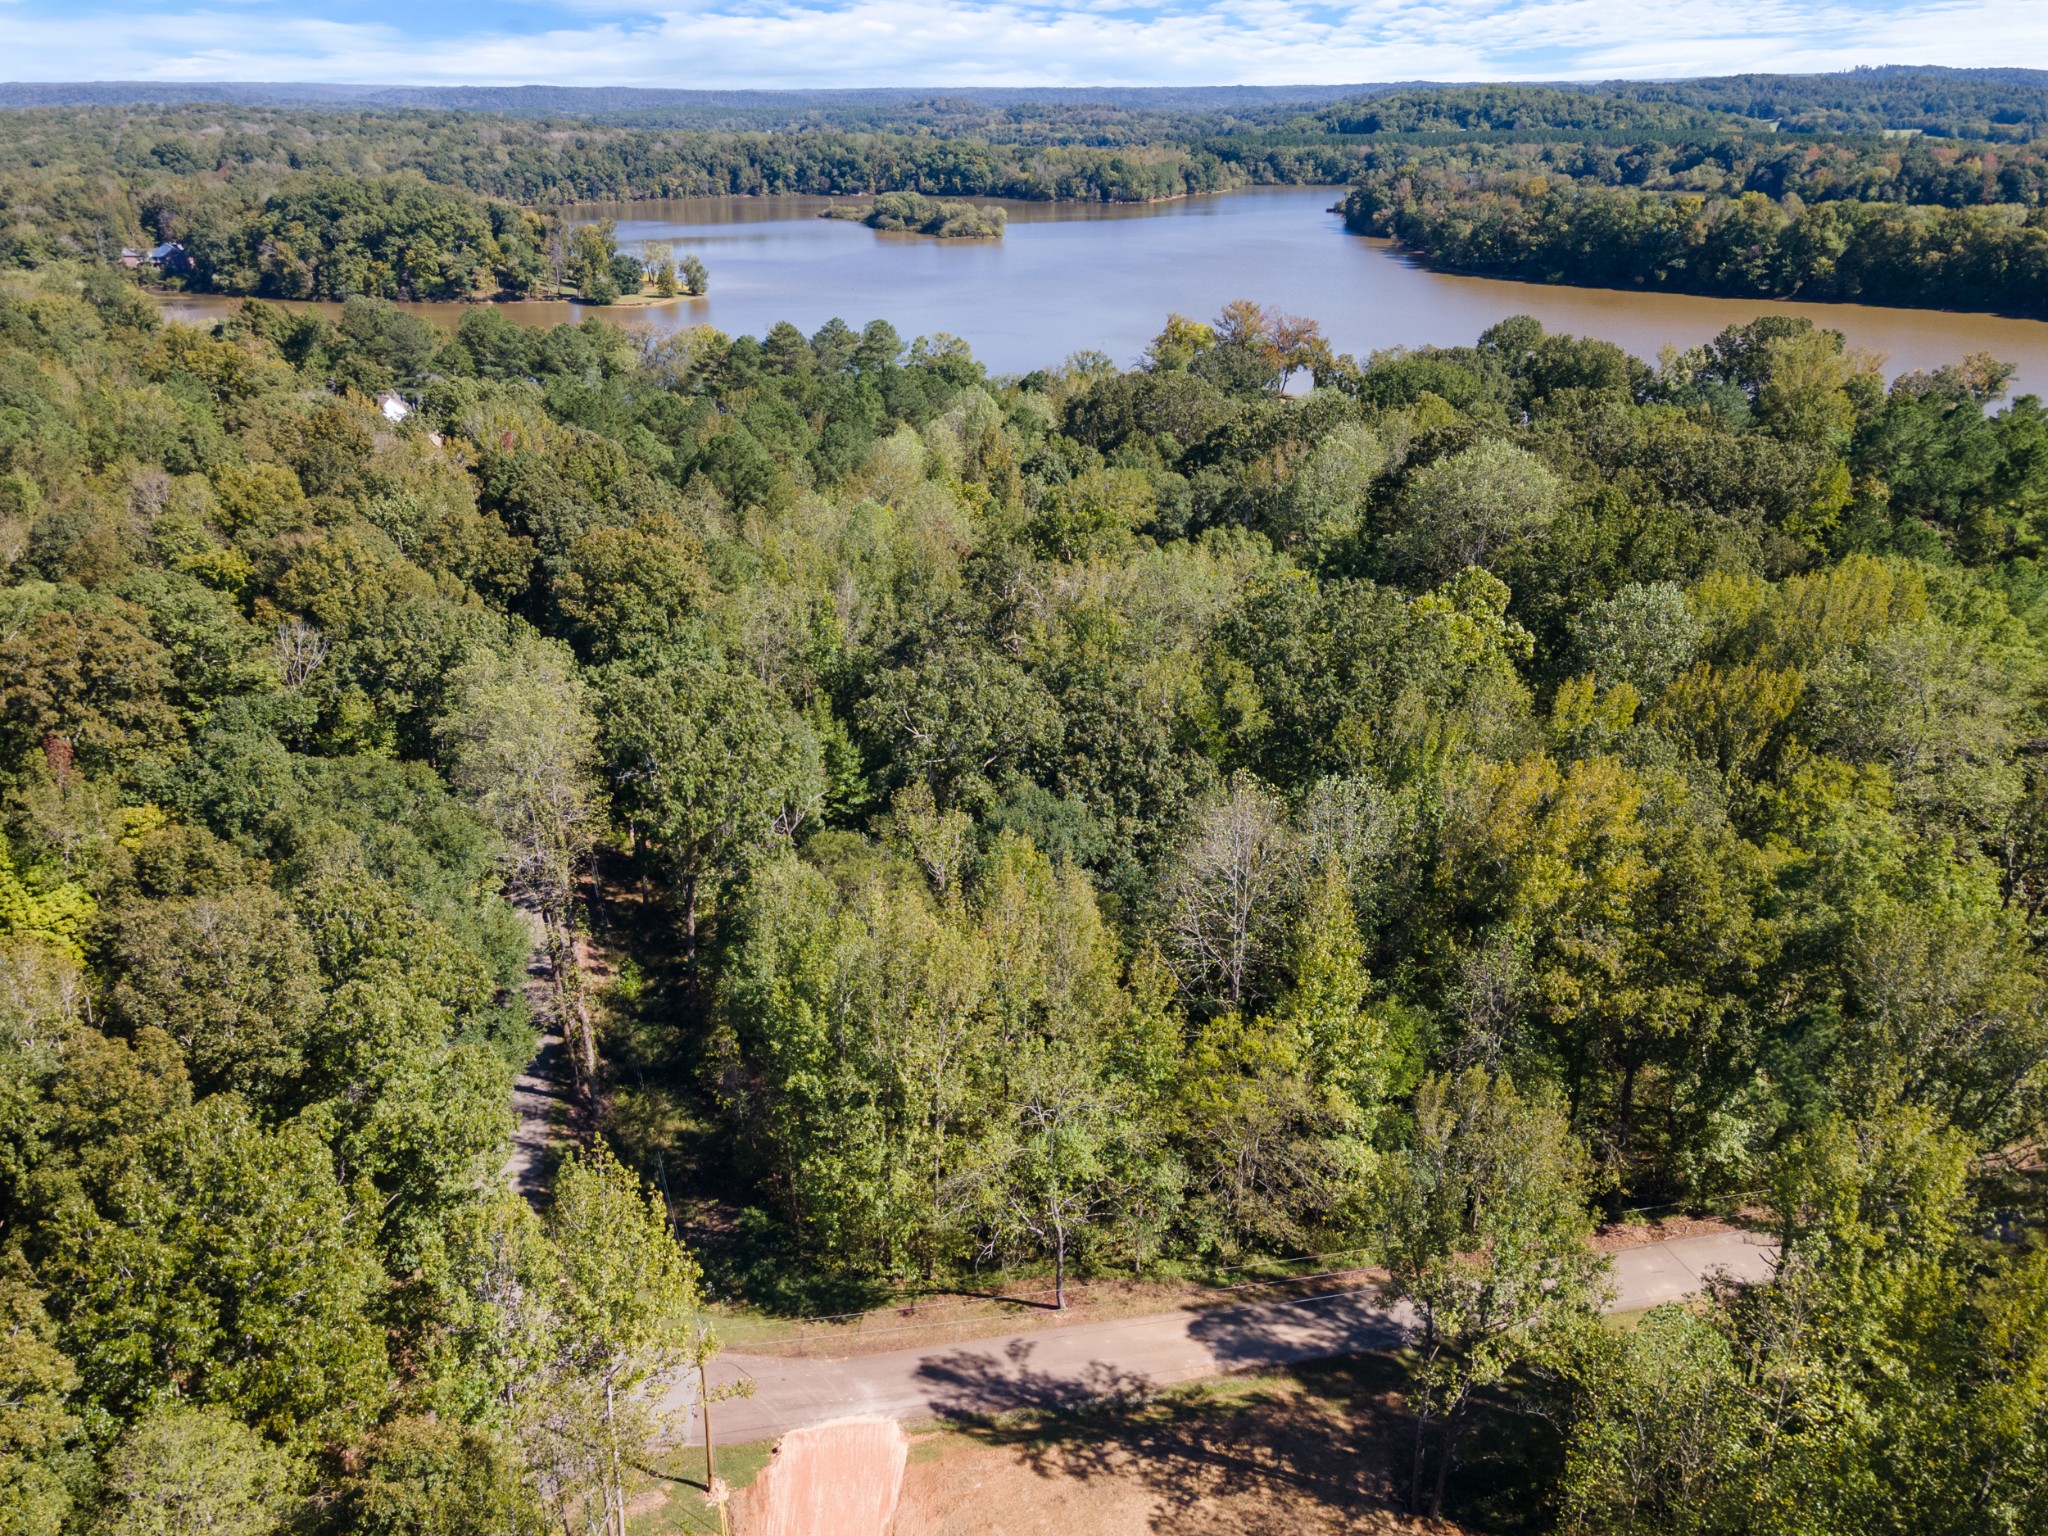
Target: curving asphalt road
{"points": [[1082, 1362]]}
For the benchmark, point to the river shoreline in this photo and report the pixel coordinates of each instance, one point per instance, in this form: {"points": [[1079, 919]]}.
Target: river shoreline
{"points": [[443, 312], [1104, 277], [610, 206]]}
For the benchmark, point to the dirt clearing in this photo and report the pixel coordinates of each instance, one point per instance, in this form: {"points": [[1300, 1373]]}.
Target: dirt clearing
{"points": [[1302, 1454]]}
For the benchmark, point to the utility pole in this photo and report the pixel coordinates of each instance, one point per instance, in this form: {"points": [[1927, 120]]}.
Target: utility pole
{"points": [[716, 1494], [711, 1488]]}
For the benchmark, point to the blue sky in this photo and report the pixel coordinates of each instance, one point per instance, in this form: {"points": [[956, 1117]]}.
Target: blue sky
{"points": [[766, 43]]}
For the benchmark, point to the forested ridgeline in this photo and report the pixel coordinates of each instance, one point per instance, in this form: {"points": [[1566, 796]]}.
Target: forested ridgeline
{"points": [[1955, 103], [1932, 172], [1098, 821], [85, 182]]}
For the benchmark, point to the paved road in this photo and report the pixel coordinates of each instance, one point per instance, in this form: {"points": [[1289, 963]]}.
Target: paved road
{"points": [[1080, 1362]]}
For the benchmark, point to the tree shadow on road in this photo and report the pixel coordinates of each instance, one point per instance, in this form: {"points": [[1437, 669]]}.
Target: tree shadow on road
{"points": [[1308, 1328], [1307, 1451]]}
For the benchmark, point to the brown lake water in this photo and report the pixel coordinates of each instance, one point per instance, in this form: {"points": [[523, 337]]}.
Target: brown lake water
{"points": [[1068, 277]]}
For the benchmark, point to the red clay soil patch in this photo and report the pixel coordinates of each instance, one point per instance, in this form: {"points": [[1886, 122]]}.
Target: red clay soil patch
{"points": [[837, 1479], [1257, 1457]]}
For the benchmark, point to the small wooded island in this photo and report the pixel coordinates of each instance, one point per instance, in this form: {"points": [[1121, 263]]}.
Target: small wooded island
{"points": [[914, 213]]}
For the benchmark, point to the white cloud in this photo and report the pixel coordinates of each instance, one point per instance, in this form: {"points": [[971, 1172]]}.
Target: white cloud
{"points": [[767, 43]]}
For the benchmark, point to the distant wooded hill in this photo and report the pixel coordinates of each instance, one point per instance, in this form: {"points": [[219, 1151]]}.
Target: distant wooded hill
{"points": [[1953, 102], [683, 107]]}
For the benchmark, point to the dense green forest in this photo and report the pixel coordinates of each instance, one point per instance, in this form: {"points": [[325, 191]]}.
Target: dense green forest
{"points": [[1938, 173], [83, 183], [1956, 103], [1921, 224], [1109, 821], [1629, 188], [2008, 105]]}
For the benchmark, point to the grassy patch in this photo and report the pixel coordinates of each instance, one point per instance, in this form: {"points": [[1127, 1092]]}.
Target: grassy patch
{"points": [[667, 1495]]}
